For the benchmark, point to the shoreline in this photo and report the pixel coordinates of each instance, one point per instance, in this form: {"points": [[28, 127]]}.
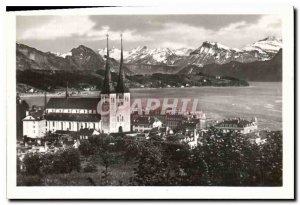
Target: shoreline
{"points": [[96, 92]]}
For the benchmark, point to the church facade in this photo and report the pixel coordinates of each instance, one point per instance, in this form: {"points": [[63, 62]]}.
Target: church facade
{"points": [[108, 113]]}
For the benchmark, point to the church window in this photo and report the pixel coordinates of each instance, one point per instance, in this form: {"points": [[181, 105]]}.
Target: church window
{"points": [[53, 124], [122, 119], [69, 125]]}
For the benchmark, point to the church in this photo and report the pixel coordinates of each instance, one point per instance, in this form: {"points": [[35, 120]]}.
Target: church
{"points": [[108, 113]]}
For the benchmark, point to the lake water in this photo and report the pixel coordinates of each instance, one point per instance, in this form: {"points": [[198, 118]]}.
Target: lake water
{"points": [[261, 99]]}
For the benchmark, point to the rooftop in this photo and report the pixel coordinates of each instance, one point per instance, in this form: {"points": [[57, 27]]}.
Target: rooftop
{"points": [[73, 117], [73, 103], [237, 123]]}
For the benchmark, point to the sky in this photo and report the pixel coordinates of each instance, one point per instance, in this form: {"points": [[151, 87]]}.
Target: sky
{"points": [[62, 33]]}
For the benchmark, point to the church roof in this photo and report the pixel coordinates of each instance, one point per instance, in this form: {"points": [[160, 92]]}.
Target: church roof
{"points": [[73, 117], [73, 103]]}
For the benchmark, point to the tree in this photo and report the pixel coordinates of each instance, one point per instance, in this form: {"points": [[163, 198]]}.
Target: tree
{"points": [[32, 163], [69, 160], [107, 160], [150, 169], [86, 148]]}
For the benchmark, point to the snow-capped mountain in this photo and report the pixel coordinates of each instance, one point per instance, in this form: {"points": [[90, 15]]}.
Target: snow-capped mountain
{"points": [[64, 55], [113, 53], [208, 53], [213, 52], [144, 55], [269, 45]]}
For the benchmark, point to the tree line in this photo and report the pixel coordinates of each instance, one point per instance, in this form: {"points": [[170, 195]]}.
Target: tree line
{"points": [[220, 159]]}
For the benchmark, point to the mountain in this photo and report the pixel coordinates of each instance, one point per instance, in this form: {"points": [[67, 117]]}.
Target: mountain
{"points": [[144, 55], [114, 53], [80, 58], [31, 58], [143, 60], [213, 52], [269, 70], [270, 46], [84, 69], [85, 58]]}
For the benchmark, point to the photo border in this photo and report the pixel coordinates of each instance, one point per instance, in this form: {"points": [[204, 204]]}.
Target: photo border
{"points": [[137, 192]]}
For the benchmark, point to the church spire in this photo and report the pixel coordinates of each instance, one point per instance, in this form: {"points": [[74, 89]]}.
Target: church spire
{"points": [[107, 87], [67, 91], [121, 88]]}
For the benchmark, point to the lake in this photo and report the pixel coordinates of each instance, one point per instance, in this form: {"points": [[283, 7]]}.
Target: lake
{"points": [[261, 99]]}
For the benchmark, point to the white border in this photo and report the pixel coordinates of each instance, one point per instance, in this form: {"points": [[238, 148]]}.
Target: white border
{"points": [[284, 192]]}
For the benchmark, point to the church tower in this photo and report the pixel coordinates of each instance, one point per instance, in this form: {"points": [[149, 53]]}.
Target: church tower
{"points": [[108, 100], [123, 99]]}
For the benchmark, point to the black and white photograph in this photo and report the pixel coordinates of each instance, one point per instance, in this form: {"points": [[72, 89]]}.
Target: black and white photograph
{"points": [[174, 100]]}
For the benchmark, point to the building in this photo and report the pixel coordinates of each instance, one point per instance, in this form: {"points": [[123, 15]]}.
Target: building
{"points": [[108, 113], [145, 123], [237, 125], [34, 124], [170, 120], [87, 133], [115, 102], [188, 133]]}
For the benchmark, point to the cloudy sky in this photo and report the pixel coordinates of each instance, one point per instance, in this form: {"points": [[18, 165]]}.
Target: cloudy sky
{"points": [[62, 33]]}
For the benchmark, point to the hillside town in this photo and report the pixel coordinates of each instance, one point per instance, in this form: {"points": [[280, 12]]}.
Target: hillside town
{"points": [[75, 123], [68, 121]]}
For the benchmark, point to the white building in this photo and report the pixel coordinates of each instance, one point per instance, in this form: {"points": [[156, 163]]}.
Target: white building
{"points": [[145, 123], [34, 125], [115, 102], [237, 125]]}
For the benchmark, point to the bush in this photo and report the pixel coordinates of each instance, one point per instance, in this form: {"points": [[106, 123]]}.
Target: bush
{"points": [[67, 161], [90, 168], [29, 181], [32, 163], [86, 148]]}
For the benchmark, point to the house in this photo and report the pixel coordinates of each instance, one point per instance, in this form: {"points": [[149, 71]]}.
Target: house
{"points": [[145, 123], [237, 125], [188, 133], [171, 120], [34, 124], [87, 133]]}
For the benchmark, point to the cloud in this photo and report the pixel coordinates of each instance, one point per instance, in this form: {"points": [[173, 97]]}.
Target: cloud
{"points": [[235, 34], [59, 27], [80, 26], [129, 35], [154, 31]]}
